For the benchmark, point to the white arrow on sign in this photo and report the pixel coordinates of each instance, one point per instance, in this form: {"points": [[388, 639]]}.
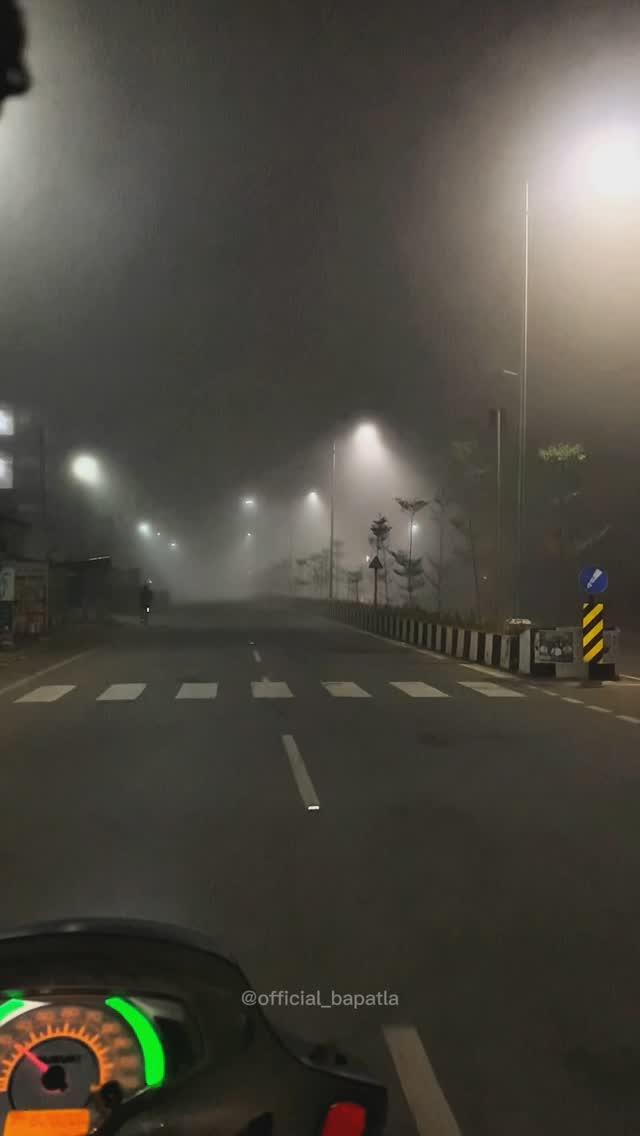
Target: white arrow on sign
{"points": [[596, 576]]}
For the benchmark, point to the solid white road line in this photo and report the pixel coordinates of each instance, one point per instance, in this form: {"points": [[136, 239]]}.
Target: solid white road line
{"points": [[267, 689], [419, 690], [45, 670], [122, 692], [600, 709], [197, 690], [490, 690], [423, 1094], [257, 656], [345, 690], [398, 643], [490, 671], [628, 718], [46, 694], [636, 678], [300, 775]]}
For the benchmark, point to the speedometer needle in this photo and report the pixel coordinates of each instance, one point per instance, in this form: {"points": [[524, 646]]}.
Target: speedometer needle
{"points": [[41, 1066]]}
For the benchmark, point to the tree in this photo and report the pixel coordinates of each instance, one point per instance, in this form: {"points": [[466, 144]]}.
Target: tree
{"points": [[380, 530], [564, 464], [301, 579], [438, 566], [411, 505], [469, 487], [409, 570]]}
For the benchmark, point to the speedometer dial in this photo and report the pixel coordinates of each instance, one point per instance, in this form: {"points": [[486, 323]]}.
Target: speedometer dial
{"points": [[58, 1055]]}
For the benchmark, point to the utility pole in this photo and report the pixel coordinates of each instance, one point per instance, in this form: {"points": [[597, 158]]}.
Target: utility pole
{"points": [[522, 425], [498, 585], [332, 516]]}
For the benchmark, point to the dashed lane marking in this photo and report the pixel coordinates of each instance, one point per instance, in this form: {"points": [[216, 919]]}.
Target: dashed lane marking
{"points": [[423, 1094], [300, 774]]}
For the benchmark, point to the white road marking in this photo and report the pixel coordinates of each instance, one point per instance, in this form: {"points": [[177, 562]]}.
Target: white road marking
{"points": [[257, 656], [46, 694], [122, 692], [576, 701], [398, 643], [419, 690], [267, 689], [490, 671], [600, 709], [423, 1094], [300, 775], [345, 690], [636, 678], [197, 690], [628, 718], [490, 690], [45, 670], [549, 693]]}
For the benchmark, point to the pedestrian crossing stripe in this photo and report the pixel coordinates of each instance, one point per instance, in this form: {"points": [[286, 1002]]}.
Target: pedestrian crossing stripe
{"points": [[267, 688]]}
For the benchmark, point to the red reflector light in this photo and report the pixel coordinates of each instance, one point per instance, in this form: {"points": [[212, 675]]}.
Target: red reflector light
{"points": [[345, 1119]]}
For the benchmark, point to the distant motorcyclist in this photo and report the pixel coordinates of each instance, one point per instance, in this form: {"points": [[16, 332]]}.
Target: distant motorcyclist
{"points": [[146, 601]]}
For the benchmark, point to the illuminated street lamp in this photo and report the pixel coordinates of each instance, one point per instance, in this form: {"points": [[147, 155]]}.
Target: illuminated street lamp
{"points": [[613, 163], [612, 166], [365, 434], [249, 502], [86, 468], [173, 544], [144, 528]]}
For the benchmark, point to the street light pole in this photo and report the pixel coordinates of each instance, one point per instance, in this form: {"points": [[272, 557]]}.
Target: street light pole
{"points": [[498, 586], [522, 425], [332, 516]]}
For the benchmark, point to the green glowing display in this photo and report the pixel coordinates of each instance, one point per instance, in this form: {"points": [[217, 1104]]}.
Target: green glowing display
{"points": [[148, 1040], [11, 1006]]}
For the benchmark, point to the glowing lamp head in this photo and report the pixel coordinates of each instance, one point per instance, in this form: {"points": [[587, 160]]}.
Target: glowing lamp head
{"points": [[85, 468]]}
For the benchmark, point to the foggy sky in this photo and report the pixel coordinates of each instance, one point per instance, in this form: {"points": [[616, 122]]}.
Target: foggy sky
{"points": [[228, 226]]}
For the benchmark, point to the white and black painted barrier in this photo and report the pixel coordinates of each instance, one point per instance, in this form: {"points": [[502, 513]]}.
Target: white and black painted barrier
{"points": [[486, 647], [511, 652]]}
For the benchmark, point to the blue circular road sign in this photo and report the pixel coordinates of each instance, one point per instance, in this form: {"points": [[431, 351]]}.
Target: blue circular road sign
{"points": [[594, 580]]}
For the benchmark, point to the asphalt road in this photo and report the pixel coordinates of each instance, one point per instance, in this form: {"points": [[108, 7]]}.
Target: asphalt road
{"points": [[476, 851]]}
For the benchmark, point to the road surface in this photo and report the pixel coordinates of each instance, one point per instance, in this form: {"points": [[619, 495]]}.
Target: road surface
{"points": [[475, 852]]}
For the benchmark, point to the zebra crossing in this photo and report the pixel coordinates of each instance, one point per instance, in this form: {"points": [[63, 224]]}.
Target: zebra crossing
{"points": [[266, 688]]}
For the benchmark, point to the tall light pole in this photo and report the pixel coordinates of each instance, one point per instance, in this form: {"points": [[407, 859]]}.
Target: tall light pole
{"points": [[522, 424], [332, 511]]}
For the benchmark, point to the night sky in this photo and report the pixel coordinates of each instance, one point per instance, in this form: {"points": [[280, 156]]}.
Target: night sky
{"points": [[227, 226]]}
